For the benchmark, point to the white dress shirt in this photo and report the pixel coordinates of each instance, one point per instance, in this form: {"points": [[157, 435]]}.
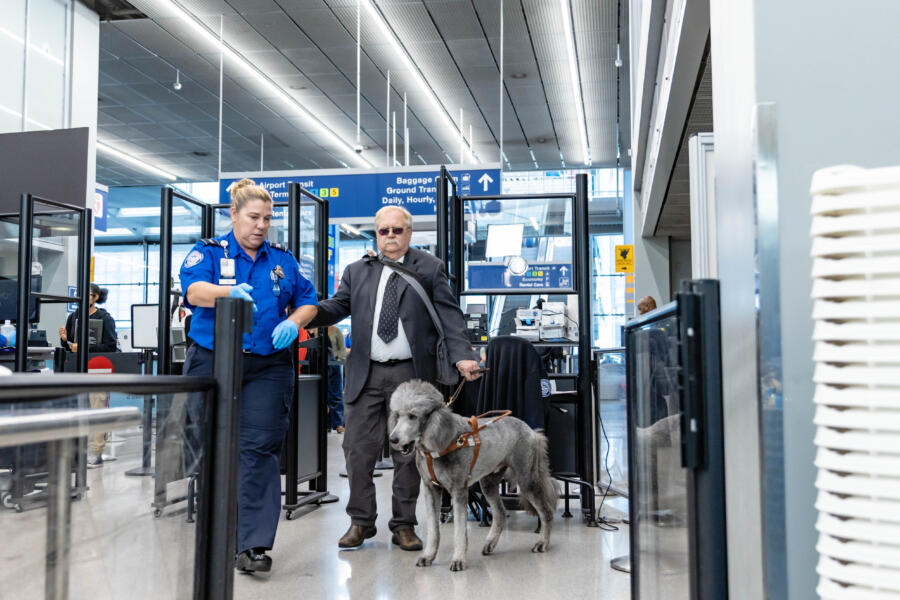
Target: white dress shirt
{"points": [[398, 348]]}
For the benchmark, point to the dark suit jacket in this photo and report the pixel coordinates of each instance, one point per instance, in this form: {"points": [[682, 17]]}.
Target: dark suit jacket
{"points": [[356, 296]]}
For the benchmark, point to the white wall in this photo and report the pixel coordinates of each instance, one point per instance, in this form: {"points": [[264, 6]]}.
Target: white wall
{"points": [[734, 89]]}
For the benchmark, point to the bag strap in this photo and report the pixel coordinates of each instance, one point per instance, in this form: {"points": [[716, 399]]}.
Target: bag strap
{"points": [[413, 280]]}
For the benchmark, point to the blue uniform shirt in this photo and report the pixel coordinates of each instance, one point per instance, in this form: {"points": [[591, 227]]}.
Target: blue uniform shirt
{"points": [[202, 264]]}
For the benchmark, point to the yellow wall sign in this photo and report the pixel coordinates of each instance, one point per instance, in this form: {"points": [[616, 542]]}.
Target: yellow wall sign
{"points": [[625, 259]]}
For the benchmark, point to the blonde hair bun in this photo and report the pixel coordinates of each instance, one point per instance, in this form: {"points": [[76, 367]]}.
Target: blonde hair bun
{"points": [[245, 191]]}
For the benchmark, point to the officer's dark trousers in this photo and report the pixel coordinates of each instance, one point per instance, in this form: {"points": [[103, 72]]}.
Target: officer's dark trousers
{"points": [[365, 423], [268, 386]]}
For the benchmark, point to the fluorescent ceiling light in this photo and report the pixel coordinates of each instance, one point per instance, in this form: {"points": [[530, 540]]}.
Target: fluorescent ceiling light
{"points": [[212, 37], [114, 231], [133, 162], [351, 229], [388, 34], [569, 29], [150, 211]]}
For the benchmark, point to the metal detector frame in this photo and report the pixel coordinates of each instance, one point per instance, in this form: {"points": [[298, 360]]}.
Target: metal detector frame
{"points": [[450, 250]]}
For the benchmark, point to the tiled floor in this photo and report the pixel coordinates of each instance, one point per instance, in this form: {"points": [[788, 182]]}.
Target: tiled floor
{"points": [[120, 550]]}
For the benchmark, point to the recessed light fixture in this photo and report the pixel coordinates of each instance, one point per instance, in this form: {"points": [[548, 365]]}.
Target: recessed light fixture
{"points": [[541, 140], [519, 75], [297, 87], [200, 153]]}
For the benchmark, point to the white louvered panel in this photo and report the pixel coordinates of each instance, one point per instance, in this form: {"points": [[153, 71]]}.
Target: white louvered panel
{"points": [[856, 396], [854, 244], [859, 441], [853, 203], [829, 590], [880, 487], [857, 353], [852, 551], [859, 463], [856, 285], [887, 536], [880, 265], [878, 222], [880, 510], [871, 577], [880, 420], [856, 375], [826, 288]]}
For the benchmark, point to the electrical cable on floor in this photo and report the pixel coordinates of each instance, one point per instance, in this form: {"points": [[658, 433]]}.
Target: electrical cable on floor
{"points": [[601, 520]]}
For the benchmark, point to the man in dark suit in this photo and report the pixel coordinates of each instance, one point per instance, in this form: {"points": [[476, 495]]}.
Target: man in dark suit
{"points": [[394, 341]]}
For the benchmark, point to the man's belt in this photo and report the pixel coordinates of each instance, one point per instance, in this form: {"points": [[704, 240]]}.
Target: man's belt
{"points": [[391, 362]]}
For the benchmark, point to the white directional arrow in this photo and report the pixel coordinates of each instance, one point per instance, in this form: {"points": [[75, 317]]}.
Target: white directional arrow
{"points": [[563, 270], [484, 180]]}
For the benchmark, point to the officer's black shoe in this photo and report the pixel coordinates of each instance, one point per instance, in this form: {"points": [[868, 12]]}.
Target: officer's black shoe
{"points": [[251, 561]]}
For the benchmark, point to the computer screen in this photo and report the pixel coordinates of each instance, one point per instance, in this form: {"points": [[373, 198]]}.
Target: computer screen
{"points": [[9, 300]]}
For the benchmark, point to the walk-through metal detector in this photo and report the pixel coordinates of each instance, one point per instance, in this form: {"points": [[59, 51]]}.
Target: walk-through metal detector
{"points": [[305, 448], [451, 210]]}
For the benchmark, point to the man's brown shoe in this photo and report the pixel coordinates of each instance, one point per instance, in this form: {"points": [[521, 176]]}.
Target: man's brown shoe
{"points": [[356, 535], [407, 539]]}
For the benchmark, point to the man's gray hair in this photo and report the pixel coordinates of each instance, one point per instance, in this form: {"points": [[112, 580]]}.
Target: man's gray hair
{"points": [[406, 214]]}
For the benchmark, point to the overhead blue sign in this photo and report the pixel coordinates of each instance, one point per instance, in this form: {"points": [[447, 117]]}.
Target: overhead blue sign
{"points": [[494, 276], [360, 193]]}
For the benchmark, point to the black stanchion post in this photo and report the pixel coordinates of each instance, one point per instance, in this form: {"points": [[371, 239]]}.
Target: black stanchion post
{"points": [[216, 536], [26, 231], [84, 287], [584, 460], [165, 282]]}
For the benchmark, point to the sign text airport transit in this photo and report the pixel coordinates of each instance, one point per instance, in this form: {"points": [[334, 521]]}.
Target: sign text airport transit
{"points": [[493, 276], [361, 192]]}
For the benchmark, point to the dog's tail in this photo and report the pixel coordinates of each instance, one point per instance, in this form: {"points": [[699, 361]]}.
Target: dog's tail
{"points": [[543, 487]]}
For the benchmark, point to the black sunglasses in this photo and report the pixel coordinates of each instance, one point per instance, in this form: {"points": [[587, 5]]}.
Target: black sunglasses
{"points": [[386, 230]]}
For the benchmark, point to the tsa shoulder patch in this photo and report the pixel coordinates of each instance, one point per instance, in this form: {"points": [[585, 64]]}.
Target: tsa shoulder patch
{"points": [[193, 258], [546, 390]]}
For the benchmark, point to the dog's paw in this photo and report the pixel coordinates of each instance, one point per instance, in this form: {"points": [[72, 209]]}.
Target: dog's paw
{"points": [[424, 561], [541, 547], [489, 548], [458, 565]]}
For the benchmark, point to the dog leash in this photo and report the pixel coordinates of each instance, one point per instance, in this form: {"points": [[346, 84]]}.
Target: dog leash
{"points": [[459, 388]]}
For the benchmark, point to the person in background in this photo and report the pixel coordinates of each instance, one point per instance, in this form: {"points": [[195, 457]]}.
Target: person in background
{"points": [[646, 304], [243, 264], [108, 342], [337, 354]]}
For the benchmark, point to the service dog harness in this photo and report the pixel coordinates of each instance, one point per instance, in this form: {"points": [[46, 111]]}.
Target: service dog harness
{"points": [[469, 438]]}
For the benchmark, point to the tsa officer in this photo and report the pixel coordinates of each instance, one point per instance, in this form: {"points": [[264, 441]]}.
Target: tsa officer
{"points": [[243, 264]]}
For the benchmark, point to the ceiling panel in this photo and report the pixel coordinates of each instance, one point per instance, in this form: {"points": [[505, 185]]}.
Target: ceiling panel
{"points": [[308, 48]]}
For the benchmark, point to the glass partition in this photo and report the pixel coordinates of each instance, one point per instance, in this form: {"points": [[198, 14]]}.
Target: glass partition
{"points": [[117, 547], [309, 239], [658, 491], [278, 230]]}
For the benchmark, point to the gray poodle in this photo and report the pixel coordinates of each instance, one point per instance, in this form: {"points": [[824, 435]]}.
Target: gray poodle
{"points": [[510, 450]]}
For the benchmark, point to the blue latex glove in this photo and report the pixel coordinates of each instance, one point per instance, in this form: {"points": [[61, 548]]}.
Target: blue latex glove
{"points": [[284, 333], [242, 291]]}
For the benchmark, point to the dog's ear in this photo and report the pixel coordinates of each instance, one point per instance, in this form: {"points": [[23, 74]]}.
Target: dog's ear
{"points": [[392, 421], [438, 429]]}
